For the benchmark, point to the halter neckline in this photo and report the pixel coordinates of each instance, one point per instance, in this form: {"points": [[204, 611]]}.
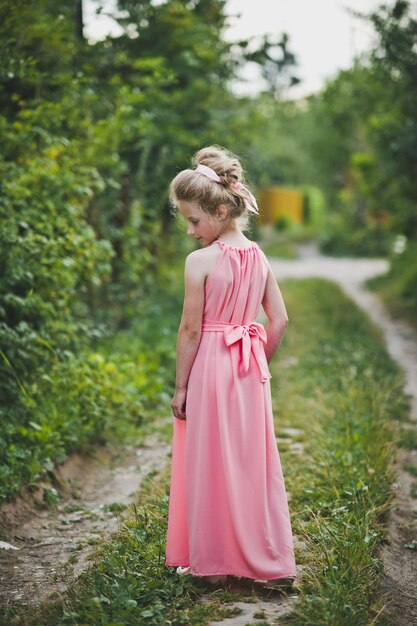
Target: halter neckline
{"points": [[228, 245]]}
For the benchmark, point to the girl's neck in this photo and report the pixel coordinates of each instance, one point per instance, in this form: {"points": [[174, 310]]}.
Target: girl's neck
{"points": [[233, 236]]}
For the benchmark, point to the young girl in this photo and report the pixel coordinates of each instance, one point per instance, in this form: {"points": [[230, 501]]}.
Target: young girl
{"points": [[228, 510]]}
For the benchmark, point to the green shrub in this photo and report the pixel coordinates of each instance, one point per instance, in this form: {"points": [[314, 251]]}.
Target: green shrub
{"points": [[399, 286], [370, 241], [282, 223], [59, 393]]}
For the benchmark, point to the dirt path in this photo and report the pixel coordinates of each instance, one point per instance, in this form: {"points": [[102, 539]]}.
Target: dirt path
{"points": [[92, 494], [400, 580], [91, 490], [349, 273]]}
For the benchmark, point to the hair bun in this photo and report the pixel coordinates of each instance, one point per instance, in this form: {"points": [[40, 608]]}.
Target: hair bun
{"points": [[230, 190], [222, 161]]}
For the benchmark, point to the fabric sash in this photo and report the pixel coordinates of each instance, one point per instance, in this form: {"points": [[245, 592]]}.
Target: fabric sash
{"points": [[250, 336]]}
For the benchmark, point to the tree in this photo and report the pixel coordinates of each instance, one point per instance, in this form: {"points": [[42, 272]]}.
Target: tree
{"points": [[394, 127]]}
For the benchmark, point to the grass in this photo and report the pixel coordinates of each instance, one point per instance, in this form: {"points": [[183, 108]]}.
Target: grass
{"points": [[341, 395], [129, 583], [337, 385]]}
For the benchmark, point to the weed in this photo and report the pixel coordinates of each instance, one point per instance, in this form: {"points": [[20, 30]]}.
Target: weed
{"points": [[114, 507]]}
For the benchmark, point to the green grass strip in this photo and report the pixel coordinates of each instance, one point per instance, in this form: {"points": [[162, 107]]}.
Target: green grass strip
{"points": [[337, 389], [338, 386]]}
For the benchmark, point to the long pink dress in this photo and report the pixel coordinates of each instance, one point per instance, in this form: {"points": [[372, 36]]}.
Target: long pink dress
{"points": [[228, 510]]}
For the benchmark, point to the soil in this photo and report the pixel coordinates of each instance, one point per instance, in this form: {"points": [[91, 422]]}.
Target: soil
{"points": [[44, 540], [93, 490]]}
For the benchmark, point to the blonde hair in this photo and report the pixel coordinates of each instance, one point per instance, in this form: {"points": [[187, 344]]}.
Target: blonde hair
{"points": [[192, 186]]}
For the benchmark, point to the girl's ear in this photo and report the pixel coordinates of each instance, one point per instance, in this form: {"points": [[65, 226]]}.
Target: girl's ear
{"points": [[221, 212]]}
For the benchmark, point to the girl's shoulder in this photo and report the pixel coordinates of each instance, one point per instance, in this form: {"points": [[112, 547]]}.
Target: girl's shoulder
{"points": [[203, 254], [203, 259]]}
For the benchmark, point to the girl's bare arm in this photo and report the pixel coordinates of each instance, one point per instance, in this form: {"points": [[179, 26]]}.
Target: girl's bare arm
{"points": [[189, 332], [276, 312]]}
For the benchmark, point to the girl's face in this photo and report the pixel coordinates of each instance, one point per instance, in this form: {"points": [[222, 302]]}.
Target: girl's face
{"points": [[200, 225]]}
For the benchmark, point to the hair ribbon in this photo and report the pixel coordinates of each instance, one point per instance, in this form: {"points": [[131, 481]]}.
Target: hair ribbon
{"points": [[210, 173]]}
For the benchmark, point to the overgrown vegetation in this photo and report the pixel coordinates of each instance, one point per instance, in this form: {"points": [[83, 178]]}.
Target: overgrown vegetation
{"points": [[338, 400], [355, 141], [361, 129], [100, 394], [398, 288], [90, 136]]}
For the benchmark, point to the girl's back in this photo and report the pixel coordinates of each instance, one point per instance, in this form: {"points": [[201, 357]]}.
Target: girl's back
{"points": [[235, 287]]}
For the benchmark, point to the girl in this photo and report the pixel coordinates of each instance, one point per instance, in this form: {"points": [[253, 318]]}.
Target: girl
{"points": [[228, 511]]}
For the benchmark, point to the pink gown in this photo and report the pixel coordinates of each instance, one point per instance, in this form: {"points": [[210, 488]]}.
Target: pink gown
{"points": [[228, 509]]}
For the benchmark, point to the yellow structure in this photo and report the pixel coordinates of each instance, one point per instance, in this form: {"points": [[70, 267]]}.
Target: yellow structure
{"points": [[276, 202]]}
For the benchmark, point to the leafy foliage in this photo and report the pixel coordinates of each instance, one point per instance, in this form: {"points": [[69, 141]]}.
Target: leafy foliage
{"points": [[91, 134], [399, 287], [50, 260], [361, 132]]}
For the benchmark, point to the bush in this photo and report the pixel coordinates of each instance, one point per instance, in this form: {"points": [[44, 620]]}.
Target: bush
{"points": [[344, 240], [399, 286], [282, 223]]}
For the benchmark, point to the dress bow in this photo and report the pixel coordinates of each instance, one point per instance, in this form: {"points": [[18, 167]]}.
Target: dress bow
{"points": [[250, 336]]}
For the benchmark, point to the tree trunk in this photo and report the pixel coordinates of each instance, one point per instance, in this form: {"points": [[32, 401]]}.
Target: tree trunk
{"points": [[78, 18]]}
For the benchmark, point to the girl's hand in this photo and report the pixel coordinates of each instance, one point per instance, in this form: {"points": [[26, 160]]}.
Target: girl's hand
{"points": [[178, 403]]}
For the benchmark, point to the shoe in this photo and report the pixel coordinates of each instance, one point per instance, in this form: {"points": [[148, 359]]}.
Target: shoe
{"points": [[280, 583], [214, 580], [183, 570]]}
